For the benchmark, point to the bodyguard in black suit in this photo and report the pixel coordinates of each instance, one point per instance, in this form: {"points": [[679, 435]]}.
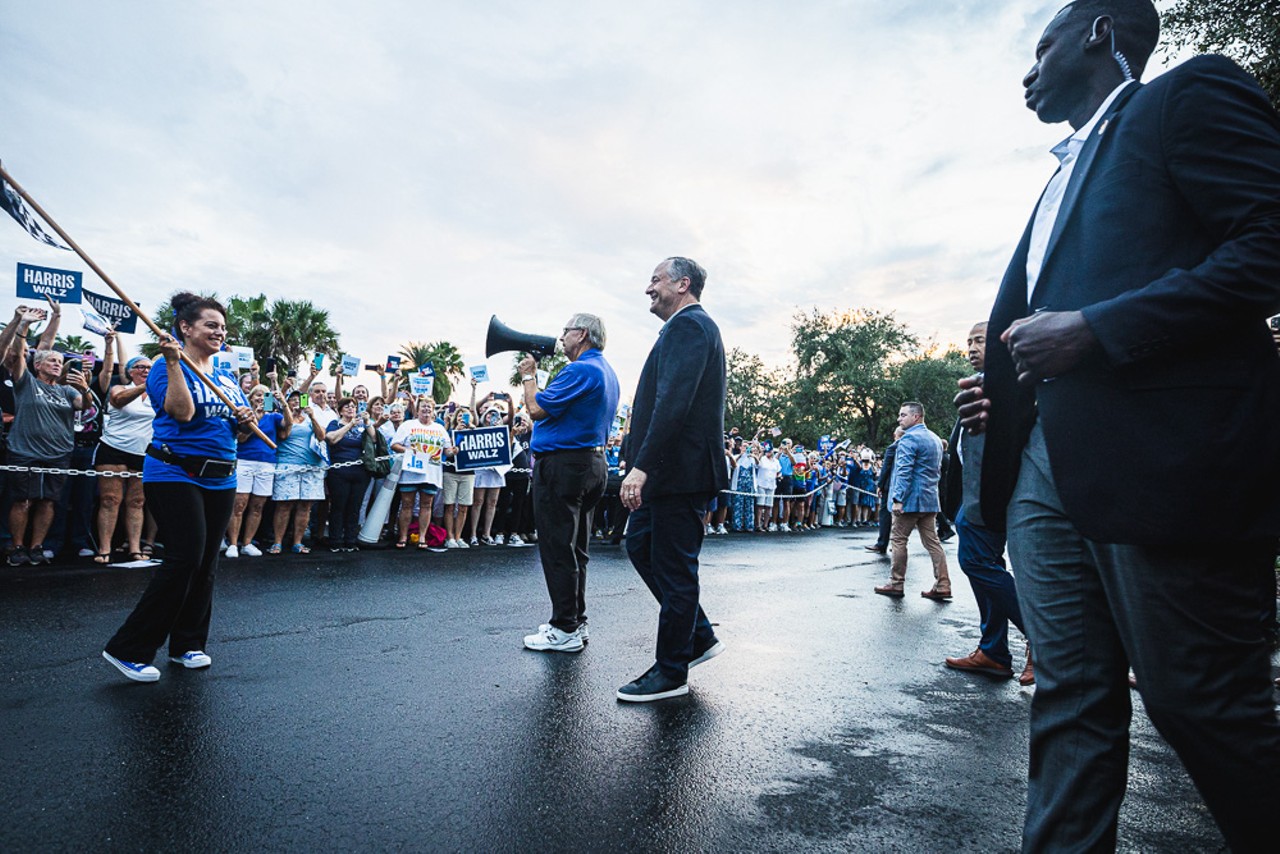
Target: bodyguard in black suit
{"points": [[677, 465], [1131, 402]]}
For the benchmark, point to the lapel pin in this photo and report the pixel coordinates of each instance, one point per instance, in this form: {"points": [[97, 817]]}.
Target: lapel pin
{"points": [[1102, 128]]}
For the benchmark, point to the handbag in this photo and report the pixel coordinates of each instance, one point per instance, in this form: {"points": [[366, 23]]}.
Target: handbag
{"points": [[374, 447]]}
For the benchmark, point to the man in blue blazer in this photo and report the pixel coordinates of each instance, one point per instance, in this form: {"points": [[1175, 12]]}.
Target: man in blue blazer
{"points": [[677, 464], [913, 496], [1132, 402]]}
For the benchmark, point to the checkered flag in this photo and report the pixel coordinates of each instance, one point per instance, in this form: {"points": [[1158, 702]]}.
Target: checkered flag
{"points": [[13, 206]]}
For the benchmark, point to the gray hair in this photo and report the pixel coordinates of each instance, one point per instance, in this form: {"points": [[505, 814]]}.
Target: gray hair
{"points": [[682, 268], [592, 325], [42, 355]]}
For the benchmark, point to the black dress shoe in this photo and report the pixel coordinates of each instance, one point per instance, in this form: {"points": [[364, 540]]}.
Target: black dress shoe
{"points": [[653, 685], [706, 652], [877, 550]]}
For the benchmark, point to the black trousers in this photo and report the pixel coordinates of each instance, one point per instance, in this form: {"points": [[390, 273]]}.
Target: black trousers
{"points": [[178, 602], [510, 510], [664, 539], [566, 487], [346, 491]]}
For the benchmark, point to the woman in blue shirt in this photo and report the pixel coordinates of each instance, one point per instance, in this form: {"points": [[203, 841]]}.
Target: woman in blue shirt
{"points": [[347, 483], [189, 482]]}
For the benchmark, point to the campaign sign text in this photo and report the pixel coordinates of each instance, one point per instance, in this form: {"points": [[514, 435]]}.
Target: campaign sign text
{"points": [[393, 364], [826, 445], [350, 365], [114, 310], [483, 448], [40, 282], [421, 385], [479, 373]]}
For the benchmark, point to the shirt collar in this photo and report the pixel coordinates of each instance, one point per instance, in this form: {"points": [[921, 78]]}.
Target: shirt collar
{"points": [[1071, 145], [680, 309]]}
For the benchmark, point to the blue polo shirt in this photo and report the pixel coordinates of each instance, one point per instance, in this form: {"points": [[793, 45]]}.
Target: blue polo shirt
{"points": [[580, 404]]}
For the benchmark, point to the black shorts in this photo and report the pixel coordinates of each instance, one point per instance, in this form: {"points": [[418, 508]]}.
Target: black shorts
{"points": [[106, 455], [786, 487], [32, 486]]}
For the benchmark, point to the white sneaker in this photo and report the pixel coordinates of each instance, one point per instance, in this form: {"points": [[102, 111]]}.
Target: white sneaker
{"points": [[488, 541], [194, 660], [710, 530], [450, 544], [550, 639], [784, 528], [250, 550], [85, 553], [498, 540], [514, 540], [132, 669], [773, 527], [474, 542], [231, 551], [462, 544], [721, 530]]}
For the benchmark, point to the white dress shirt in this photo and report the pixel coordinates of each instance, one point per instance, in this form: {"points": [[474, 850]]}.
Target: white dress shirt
{"points": [[1067, 152]]}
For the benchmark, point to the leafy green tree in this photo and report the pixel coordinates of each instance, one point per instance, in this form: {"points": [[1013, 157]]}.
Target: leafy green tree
{"points": [[1248, 31], [247, 323], [755, 397], [293, 329], [443, 357], [931, 379], [845, 376]]}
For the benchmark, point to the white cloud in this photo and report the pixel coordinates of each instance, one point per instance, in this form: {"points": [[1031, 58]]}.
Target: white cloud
{"points": [[416, 167]]}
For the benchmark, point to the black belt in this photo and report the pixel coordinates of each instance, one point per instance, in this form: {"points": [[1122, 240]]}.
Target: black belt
{"points": [[598, 449], [194, 466]]}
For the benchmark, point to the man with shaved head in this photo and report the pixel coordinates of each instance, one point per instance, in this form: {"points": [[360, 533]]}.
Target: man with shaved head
{"points": [[1130, 374]]}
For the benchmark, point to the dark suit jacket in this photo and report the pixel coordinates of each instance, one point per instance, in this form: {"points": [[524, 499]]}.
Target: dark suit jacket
{"points": [[953, 475], [886, 469], [1168, 240], [677, 419]]}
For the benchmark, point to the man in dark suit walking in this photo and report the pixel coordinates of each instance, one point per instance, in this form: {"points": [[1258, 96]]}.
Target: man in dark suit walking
{"points": [[1129, 373], [881, 545], [677, 465]]}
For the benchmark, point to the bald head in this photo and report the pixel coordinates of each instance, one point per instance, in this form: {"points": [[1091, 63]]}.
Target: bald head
{"points": [[977, 346]]}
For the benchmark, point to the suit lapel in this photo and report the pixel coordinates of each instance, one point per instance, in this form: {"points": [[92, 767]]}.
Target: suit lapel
{"points": [[1080, 173]]}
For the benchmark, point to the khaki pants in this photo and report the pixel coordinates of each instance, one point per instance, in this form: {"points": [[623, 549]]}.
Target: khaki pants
{"points": [[927, 525]]}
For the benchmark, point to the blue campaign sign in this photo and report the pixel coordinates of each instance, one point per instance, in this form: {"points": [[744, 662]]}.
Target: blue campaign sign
{"points": [[483, 448], [826, 444], [114, 310], [40, 282]]}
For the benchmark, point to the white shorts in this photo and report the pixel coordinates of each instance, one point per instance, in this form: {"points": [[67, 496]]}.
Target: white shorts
{"points": [[841, 495], [255, 477], [489, 479], [295, 485], [765, 499]]}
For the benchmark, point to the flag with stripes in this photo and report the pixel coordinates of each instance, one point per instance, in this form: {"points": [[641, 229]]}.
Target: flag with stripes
{"points": [[13, 206]]}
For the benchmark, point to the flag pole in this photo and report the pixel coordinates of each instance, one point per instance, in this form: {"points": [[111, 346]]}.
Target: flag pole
{"points": [[8, 179]]}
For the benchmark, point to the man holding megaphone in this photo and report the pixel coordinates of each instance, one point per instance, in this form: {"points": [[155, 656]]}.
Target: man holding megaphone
{"points": [[572, 416]]}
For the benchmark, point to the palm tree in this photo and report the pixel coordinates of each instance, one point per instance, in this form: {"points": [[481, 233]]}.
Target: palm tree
{"points": [[443, 357], [72, 344], [552, 366], [247, 323], [294, 329]]}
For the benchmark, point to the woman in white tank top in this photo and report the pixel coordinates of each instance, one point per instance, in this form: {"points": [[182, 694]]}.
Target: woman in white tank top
{"points": [[121, 449]]}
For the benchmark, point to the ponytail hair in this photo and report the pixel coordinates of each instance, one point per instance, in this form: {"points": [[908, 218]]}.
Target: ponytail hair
{"points": [[187, 308]]}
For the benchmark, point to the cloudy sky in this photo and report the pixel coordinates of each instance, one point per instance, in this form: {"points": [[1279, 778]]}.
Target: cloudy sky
{"points": [[415, 167]]}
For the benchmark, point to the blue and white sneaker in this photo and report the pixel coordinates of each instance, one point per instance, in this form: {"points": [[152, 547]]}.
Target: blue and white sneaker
{"points": [[194, 660], [132, 669]]}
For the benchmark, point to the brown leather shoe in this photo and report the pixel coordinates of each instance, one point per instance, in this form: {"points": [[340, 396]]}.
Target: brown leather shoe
{"points": [[1028, 675], [936, 595], [979, 662], [890, 589]]}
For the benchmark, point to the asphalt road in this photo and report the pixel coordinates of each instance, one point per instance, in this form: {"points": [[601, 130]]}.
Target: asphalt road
{"points": [[382, 701]]}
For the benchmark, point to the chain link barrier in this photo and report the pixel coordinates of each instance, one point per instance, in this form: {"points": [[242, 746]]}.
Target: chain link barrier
{"points": [[288, 468]]}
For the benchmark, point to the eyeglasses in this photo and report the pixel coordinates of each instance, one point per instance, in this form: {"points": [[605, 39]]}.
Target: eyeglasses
{"points": [[569, 329]]}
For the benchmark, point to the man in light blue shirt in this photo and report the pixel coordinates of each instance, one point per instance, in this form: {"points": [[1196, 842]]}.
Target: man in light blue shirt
{"points": [[913, 495]]}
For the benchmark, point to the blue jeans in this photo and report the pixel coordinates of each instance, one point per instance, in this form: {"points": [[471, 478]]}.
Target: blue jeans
{"points": [[981, 556], [664, 538]]}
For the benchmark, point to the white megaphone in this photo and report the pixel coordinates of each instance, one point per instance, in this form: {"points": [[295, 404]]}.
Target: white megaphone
{"points": [[371, 530]]}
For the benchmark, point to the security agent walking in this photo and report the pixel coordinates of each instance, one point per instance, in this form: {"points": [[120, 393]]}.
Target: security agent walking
{"points": [[677, 466], [571, 417], [190, 484]]}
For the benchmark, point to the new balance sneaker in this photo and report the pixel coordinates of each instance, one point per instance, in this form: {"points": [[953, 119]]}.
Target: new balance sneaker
{"points": [[250, 550], [653, 685], [583, 631], [194, 660], [134, 670], [550, 639], [706, 653], [231, 552]]}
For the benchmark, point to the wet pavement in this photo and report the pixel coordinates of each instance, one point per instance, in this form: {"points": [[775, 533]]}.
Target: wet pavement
{"points": [[382, 701]]}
